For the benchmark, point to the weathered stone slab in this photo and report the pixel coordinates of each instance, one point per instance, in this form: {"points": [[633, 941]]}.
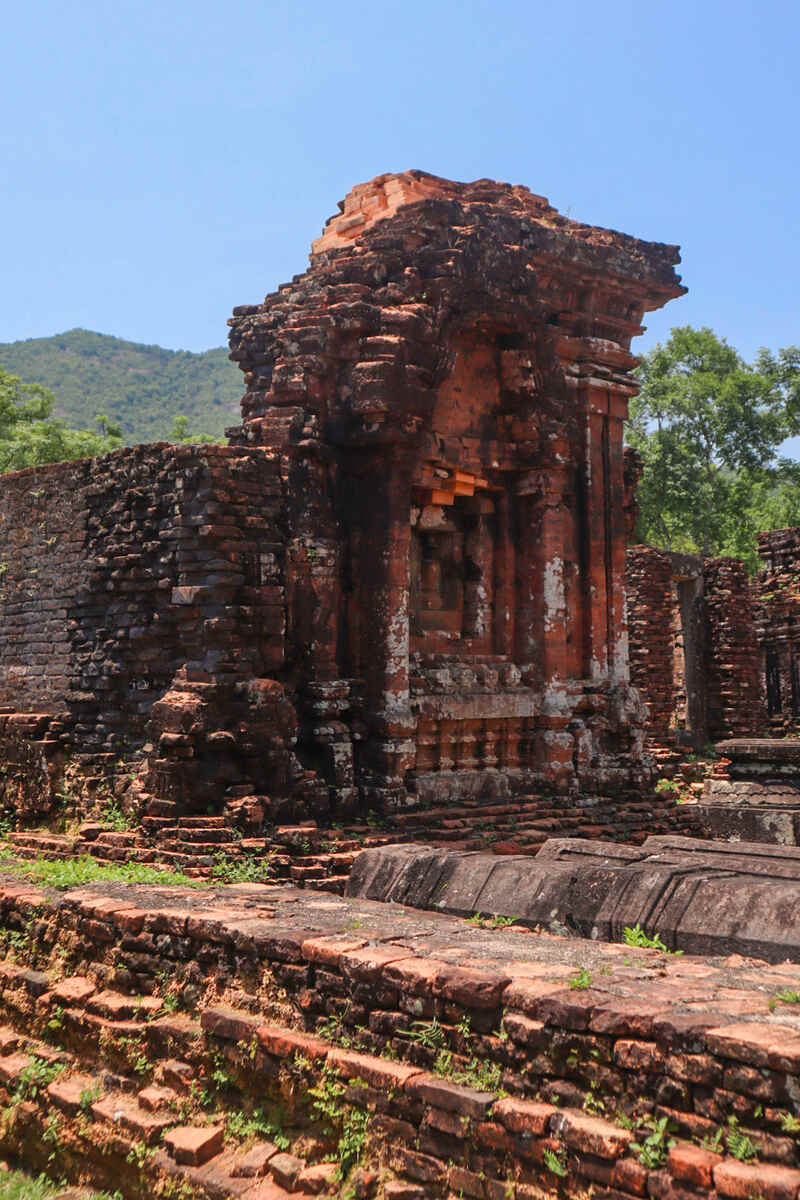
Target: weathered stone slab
{"points": [[701, 897], [773, 825], [775, 750]]}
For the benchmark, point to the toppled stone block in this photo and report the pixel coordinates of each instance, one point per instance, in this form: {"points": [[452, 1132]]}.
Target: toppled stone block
{"points": [[711, 898]]}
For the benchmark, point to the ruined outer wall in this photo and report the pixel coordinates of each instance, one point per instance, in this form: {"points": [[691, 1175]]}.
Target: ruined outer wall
{"points": [[648, 581], [735, 707], [42, 524], [778, 625], [118, 570], [719, 643]]}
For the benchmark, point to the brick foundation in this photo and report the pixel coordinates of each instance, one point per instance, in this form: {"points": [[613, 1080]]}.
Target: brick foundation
{"points": [[274, 991]]}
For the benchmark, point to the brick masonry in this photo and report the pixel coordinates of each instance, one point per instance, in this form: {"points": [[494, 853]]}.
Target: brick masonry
{"points": [[778, 618], [404, 581], [280, 991], [693, 646], [150, 573], [443, 355]]}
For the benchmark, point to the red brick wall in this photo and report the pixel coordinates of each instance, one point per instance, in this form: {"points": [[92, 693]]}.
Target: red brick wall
{"points": [[734, 698], [118, 570], [719, 644], [648, 580], [778, 622]]}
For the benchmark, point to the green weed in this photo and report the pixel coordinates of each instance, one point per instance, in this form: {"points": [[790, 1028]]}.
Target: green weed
{"points": [[113, 815], [583, 979], [249, 869], [139, 1155], [35, 1078], [89, 1095], [739, 1144], [490, 921], [555, 1163], [653, 1149], [15, 1185], [242, 1127], [484, 1076], [634, 935], [429, 1034]]}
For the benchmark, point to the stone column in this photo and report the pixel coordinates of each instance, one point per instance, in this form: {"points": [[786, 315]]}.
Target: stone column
{"points": [[606, 409], [541, 606], [505, 600], [541, 613], [619, 668], [384, 518], [597, 548], [479, 581]]}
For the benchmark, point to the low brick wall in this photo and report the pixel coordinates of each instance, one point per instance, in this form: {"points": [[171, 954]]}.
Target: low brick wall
{"points": [[583, 1038], [120, 570]]}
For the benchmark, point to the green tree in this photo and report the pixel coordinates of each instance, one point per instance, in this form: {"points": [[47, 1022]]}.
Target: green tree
{"points": [[180, 432], [709, 427], [30, 435]]}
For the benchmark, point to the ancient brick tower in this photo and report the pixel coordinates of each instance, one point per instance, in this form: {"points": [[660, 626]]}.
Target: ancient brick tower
{"points": [[444, 389], [402, 582]]}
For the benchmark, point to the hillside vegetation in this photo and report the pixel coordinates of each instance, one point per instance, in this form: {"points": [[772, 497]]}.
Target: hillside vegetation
{"points": [[140, 389]]}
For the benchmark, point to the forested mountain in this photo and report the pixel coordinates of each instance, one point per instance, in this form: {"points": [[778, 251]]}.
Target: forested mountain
{"points": [[142, 389]]}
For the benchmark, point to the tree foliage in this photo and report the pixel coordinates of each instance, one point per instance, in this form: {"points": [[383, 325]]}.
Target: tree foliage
{"points": [[709, 427], [30, 435], [182, 434]]}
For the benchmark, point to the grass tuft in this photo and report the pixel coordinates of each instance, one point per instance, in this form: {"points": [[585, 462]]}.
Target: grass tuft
{"points": [[76, 872]]}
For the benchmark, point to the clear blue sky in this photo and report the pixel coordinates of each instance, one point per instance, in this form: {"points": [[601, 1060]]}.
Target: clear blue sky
{"points": [[165, 161]]}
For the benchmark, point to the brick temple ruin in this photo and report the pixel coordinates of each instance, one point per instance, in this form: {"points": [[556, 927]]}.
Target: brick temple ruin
{"points": [[404, 579], [399, 592]]}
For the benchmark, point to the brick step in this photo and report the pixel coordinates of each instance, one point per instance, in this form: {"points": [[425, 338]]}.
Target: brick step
{"points": [[330, 883], [152, 825], [202, 823], [305, 873], [343, 845], [548, 828], [230, 849], [44, 843], [156, 807], [469, 808], [113, 837], [121, 854], [137, 1121], [122, 1111], [325, 859], [187, 862], [196, 833], [253, 845], [143, 1125]]}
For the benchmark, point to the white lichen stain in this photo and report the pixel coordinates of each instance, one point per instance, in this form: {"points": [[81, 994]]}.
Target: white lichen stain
{"points": [[554, 603]]}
